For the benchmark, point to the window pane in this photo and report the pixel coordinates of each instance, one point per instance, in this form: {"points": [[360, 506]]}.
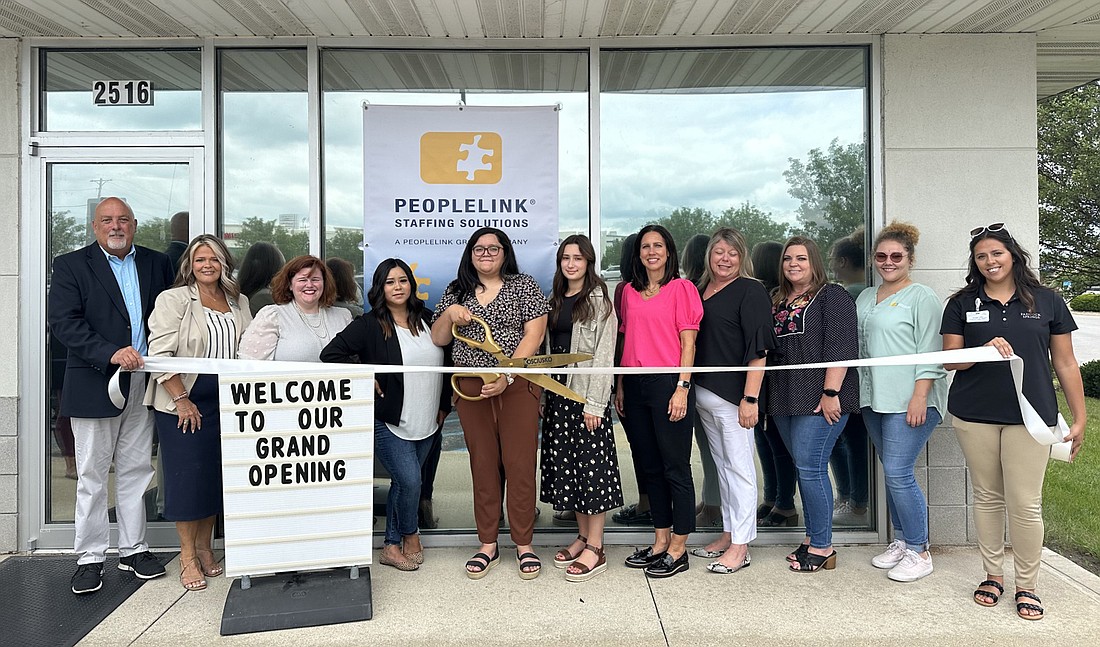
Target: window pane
{"points": [[350, 77], [265, 151], [67, 95], [157, 192], [770, 141]]}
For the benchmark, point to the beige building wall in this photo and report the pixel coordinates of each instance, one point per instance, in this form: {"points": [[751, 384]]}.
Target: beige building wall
{"points": [[959, 151], [9, 292]]}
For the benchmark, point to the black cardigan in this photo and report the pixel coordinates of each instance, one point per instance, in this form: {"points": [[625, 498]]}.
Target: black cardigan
{"points": [[362, 342]]}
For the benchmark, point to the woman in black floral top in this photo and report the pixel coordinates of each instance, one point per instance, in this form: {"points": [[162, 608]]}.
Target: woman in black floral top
{"points": [[501, 430], [815, 321]]}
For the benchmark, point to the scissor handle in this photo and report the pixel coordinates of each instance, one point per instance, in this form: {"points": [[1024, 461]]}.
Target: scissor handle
{"points": [[489, 345], [486, 378]]}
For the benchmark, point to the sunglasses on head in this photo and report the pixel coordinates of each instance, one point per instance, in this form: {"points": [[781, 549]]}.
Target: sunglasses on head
{"points": [[896, 257], [978, 231]]}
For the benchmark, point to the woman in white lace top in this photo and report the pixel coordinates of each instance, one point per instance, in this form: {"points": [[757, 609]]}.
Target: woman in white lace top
{"points": [[302, 321]]}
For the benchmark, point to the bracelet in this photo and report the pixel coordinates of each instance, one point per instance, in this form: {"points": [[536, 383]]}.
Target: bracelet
{"points": [[180, 397], [510, 378]]}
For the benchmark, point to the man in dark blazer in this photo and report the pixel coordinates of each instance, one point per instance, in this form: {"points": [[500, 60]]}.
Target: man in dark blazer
{"points": [[99, 303]]}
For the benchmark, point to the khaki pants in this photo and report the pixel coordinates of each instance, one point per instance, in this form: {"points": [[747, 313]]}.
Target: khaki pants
{"points": [[1007, 468], [502, 436]]}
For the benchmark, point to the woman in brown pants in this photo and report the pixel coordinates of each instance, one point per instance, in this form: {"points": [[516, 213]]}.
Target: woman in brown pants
{"points": [[501, 429]]}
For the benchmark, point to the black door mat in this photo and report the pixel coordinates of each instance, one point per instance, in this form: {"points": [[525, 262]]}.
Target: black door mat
{"points": [[41, 608]]}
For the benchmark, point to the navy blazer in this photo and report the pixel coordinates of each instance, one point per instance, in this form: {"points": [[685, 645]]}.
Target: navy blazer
{"points": [[362, 340], [87, 314]]}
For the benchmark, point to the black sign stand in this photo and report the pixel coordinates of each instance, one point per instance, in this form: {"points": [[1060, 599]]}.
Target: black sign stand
{"points": [[299, 599]]}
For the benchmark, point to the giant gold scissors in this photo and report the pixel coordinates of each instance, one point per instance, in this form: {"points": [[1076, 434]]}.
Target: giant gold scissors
{"points": [[535, 361]]}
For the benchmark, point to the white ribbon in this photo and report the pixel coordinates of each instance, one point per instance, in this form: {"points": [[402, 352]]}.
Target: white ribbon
{"points": [[1039, 430]]}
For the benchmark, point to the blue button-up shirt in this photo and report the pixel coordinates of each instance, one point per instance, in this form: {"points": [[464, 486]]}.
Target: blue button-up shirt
{"points": [[125, 271]]}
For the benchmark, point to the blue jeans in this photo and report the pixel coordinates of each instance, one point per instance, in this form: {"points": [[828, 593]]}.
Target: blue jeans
{"points": [[898, 446], [810, 440], [403, 460]]}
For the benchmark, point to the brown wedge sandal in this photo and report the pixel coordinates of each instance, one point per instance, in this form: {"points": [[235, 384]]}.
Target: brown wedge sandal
{"points": [[584, 573], [564, 558]]}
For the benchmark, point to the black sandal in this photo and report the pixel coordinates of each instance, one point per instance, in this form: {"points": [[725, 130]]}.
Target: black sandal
{"points": [[483, 563], [1025, 606], [528, 560], [811, 563], [798, 552], [993, 598], [776, 520]]}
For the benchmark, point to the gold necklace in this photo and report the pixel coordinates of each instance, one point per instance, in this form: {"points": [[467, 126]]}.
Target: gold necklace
{"points": [[650, 292]]}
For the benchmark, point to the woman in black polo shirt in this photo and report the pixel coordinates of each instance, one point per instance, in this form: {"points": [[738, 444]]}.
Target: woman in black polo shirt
{"points": [[1003, 305]]}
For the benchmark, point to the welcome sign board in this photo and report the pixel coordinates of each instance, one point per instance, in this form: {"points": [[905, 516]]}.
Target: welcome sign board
{"points": [[297, 470]]}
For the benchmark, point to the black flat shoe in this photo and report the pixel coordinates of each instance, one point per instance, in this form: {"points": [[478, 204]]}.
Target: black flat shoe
{"points": [[629, 516], [667, 566], [644, 557]]}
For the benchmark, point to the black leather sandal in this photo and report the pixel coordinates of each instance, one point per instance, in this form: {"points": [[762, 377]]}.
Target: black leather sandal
{"points": [[482, 563], [1025, 606], [811, 562], [988, 598], [528, 560], [797, 552]]}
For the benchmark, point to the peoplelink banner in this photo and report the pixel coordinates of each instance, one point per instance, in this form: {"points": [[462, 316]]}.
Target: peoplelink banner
{"points": [[433, 175]]}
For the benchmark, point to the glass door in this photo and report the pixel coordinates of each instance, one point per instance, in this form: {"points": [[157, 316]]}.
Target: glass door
{"points": [[164, 187]]}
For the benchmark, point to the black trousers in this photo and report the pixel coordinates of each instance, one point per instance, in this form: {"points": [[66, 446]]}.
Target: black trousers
{"points": [[662, 449]]}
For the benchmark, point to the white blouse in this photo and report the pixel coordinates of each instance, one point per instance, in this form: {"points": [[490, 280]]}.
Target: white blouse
{"points": [[421, 402], [285, 333]]}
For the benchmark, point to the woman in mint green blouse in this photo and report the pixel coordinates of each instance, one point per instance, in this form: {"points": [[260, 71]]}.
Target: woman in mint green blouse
{"points": [[901, 404]]}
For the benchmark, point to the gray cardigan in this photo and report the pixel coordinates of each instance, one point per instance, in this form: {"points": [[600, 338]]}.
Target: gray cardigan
{"points": [[596, 337]]}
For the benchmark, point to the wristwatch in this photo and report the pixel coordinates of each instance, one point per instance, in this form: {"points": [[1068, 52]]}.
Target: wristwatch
{"points": [[684, 383], [832, 393], [751, 399]]}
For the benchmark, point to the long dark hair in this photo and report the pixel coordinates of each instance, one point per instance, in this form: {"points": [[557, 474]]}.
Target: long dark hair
{"points": [[626, 265], [582, 309], [765, 262], [468, 281], [695, 261], [1026, 280], [672, 266], [261, 263], [376, 297]]}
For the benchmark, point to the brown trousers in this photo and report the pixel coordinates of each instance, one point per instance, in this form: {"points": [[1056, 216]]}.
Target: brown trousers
{"points": [[502, 438]]}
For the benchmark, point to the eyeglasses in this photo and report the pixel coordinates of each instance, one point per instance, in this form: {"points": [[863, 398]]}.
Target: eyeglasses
{"points": [[896, 257], [491, 250], [978, 231]]}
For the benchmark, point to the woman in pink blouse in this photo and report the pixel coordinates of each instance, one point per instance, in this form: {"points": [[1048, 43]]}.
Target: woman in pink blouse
{"points": [[661, 314]]}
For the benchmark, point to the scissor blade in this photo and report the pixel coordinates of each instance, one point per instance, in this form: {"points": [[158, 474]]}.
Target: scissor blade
{"points": [[546, 361], [550, 384]]}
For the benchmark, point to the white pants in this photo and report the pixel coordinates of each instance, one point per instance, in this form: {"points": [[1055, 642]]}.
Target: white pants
{"points": [[128, 439], [734, 451]]}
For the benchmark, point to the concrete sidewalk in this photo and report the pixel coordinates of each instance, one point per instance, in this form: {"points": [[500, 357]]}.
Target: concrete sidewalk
{"points": [[763, 605]]}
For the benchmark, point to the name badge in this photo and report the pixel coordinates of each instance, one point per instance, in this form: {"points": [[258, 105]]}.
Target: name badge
{"points": [[978, 317]]}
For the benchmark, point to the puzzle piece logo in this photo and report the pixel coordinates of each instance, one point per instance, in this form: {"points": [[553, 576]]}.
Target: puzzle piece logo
{"points": [[423, 296], [460, 158]]}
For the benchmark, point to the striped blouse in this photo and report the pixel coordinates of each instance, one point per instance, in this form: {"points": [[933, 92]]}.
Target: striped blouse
{"points": [[221, 335]]}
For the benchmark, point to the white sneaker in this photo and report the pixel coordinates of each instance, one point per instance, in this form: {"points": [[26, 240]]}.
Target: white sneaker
{"points": [[892, 555], [912, 568], [841, 505], [848, 515]]}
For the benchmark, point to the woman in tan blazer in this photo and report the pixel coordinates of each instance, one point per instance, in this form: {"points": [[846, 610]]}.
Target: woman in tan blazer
{"points": [[202, 315]]}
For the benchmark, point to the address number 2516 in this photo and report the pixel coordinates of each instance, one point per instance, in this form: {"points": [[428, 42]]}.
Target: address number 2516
{"points": [[122, 93]]}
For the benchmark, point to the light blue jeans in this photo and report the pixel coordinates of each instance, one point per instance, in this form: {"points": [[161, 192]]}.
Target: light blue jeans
{"points": [[810, 439], [898, 446], [403, 460]]}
